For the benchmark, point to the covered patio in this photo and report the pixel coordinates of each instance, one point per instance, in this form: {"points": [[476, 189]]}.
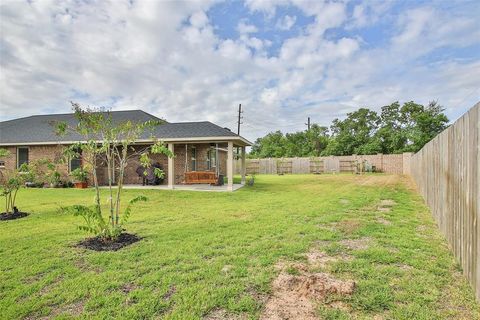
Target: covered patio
{"points": [[185, 165]]}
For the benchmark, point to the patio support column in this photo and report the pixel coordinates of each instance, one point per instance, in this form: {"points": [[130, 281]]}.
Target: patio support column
{"points": [[243, 167], [171, 167], [230, 166]]}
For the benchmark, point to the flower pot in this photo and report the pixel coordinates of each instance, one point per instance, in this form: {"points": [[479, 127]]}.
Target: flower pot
{"points": [[81, 185]]}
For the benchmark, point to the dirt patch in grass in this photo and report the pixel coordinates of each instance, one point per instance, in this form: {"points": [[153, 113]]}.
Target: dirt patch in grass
{"points": [[295, 296], [260, 297], [73, 310], [383, 221], [226, 268], [297, 290], [12, 216], [45, 290], [319, 259], [357, 244], [170, 292], [98, 244], [222, 314], [386, 205], [128, 287], [348, 226], [84, 266]]}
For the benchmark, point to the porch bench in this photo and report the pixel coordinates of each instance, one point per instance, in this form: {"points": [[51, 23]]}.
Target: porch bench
{"points": [[192, 177]]}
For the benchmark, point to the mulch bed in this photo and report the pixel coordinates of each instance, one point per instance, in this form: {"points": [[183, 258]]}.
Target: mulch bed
{"points": [[11, 216], [99, 244]]}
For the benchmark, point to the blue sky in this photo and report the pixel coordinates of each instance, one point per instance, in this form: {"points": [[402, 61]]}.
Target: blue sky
{"points": [[284, 60]]}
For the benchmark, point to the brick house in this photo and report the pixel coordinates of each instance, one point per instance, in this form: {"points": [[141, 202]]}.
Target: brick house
{"points": [[199, 147]]}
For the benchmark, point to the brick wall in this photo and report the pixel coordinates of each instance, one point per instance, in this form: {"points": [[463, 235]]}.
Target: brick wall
{"points": [[35, 153], [131, 176]]}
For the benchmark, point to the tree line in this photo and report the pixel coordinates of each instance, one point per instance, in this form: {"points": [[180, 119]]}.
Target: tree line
{"points": [[395, 129]]}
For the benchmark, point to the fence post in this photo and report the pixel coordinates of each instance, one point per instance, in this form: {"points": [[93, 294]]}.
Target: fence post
{"points": [[407, 157], [381, 161]]}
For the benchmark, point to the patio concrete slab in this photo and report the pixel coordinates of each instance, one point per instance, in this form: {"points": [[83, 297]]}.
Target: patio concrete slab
{"points": [[186, 187]]}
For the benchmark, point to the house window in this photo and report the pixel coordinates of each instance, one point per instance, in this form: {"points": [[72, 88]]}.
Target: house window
{"points": [[194, 159], [2, 164], [76, 162], [212, 159], [22, 156]]}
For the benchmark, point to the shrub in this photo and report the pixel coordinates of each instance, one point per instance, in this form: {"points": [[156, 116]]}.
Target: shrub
{"points": [[80, 175]]}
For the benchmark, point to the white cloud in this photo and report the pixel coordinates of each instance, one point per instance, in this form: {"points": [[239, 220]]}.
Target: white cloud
{"points": [[244, 28], [166, 58], [286, 22]]}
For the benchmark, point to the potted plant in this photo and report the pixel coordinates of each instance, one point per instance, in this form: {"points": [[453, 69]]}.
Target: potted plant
{"points": [[80, 176]]}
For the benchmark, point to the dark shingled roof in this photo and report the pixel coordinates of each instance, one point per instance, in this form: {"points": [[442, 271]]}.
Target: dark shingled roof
{"points": [[40, 128]]}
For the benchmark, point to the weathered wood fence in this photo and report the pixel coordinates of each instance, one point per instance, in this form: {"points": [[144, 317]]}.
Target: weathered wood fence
{"points": [[447, 176], [388, 163]]}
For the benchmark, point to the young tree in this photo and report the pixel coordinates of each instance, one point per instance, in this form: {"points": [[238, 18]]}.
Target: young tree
{"points": [[12, 181], [113, 144]]}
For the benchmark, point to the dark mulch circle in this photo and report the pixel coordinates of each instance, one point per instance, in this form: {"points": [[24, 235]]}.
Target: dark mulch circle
{"points": [[12, 216], [98, 244]]}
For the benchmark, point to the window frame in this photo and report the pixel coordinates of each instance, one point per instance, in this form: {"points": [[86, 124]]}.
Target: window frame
{"points": [[18, 156], [193, 158], [212, 159], [79, 159]]}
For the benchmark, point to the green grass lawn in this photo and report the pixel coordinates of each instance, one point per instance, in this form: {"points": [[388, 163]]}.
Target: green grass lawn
{"points": [[207, 251]]}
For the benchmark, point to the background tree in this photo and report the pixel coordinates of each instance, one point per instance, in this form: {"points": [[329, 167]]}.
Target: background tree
{"points": [[422, 124], [395, 129], [270, 146], [355, 134]]}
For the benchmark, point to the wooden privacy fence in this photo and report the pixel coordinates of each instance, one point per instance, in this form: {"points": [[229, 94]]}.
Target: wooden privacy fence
{"points": [[447, 176], [388, 163]]}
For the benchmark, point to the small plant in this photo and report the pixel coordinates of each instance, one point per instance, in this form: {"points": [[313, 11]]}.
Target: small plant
{"points": [[80, 175], [251, 180], [55, 178], [96, 225], [12, 181]]}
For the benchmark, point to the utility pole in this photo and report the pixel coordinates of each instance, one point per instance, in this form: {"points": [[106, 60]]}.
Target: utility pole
{"points": [[239, 118], [307, 124], [239, 122]]}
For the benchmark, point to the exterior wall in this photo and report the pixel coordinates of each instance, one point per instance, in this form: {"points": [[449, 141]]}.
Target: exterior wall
{"points": [[131, 176], [35, 153]]}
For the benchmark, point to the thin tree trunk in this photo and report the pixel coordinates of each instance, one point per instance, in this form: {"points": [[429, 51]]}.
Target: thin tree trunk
{"points": [[7, 203], [14, 198], [120, 182], [95, 182], [110, 168]]}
